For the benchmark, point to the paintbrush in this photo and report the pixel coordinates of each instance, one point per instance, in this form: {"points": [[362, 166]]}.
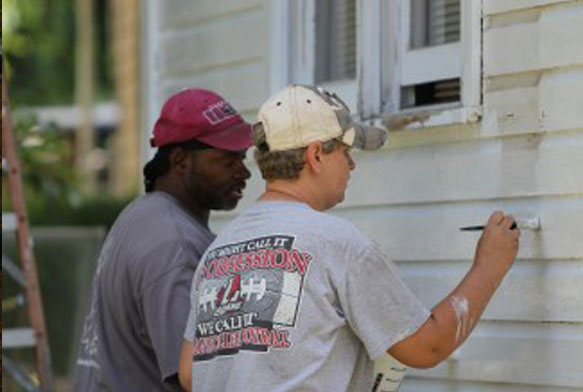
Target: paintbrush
{"points": [[529, 224]]}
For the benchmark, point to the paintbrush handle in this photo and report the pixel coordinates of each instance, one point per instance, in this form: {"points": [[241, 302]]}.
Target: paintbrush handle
{"points": [[481, 227]]}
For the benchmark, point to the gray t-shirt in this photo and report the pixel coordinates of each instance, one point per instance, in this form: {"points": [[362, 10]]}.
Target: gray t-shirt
{"points": [[288, 298], [132, 336]]}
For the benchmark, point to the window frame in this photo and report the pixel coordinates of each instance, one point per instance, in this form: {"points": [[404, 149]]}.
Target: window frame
{"points": [[292, 47], [383, 36]]}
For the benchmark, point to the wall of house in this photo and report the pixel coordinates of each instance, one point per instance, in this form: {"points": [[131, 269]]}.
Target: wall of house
{"points": [[523, 156]]}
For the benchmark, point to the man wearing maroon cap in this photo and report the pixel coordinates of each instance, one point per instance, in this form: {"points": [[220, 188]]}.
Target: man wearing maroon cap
{"points": [[133, 332]]}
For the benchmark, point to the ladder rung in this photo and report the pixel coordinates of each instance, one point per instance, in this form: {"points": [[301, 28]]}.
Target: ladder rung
{"points": [[18, 337], [13, 270], [11, 368], [8, 222]]}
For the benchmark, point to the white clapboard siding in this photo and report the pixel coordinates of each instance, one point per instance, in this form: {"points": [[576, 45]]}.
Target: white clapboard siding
{"points": [[498, 6], [430, 232], [541, 164], [243, 85], [537, 101], [551, 40], [547, 289], [213, 45], [517, 352], [179, 13]]}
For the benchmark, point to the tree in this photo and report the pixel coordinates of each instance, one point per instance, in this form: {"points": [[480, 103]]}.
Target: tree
{"points": [[38, 40]]}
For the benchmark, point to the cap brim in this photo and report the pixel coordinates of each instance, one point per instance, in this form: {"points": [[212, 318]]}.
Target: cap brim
{"points": [[367, 137], [236, 138]]}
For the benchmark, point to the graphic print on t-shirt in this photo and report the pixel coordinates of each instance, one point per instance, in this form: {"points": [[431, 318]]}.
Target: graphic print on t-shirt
{"points": [[249, 296]]}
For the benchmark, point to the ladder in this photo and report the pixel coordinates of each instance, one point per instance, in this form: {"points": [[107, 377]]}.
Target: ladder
{"points": [[34, 336]]}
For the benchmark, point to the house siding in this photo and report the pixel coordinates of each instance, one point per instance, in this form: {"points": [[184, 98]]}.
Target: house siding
{"points": [[524, 156]]}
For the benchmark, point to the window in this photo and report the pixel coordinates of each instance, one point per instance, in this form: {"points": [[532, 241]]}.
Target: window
{"points": [[315, 42], [421, 56], [335, 40], [434, 38]]}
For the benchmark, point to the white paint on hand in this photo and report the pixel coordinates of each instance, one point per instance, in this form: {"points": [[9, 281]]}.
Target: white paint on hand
{"points": [[460, 306]]}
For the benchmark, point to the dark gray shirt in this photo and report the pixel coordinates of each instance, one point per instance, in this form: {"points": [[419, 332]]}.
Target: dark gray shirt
{"points": [[132, 335]]}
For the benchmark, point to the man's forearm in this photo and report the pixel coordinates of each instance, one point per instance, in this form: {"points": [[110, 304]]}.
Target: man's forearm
{"points": [[457, 314], [451, 320]]}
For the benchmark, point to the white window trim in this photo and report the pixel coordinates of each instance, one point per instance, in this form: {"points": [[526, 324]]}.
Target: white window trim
{"points": [[445, 60], [382, 39], [292, 49]]}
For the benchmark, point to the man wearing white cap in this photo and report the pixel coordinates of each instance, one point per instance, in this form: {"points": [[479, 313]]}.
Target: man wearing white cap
{"points": [[290, 298]]}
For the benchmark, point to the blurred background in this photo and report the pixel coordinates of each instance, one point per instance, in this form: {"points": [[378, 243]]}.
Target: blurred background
{"points": [[67, 93]]}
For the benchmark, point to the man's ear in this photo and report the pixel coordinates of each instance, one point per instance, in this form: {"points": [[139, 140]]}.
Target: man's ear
{"points": [[313, 156], [179, 159]]}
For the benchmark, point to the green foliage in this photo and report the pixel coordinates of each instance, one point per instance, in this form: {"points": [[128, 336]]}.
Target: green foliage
{"points": [[38, 42], [46, 164], [47, 159], [51, 185], [95, 211], [38, 37]]}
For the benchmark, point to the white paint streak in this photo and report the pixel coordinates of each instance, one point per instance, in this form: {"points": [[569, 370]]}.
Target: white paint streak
{"points": [[461, 308]]}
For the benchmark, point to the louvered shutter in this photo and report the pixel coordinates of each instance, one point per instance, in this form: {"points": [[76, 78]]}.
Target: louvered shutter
{"points": [[335, 40], [434, 22], [443, 22]]}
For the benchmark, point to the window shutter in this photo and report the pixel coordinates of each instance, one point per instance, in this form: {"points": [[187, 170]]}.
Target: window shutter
{"points": [[335, 40], [434, 22], [434, 39], [443, 22]]}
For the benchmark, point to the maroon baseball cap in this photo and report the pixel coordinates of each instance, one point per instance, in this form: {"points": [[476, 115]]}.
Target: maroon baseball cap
{"points": [[201, 115]]}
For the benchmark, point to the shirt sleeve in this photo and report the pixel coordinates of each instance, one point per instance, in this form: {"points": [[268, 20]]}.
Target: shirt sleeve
{"points": [[378, 305], [165, 304]]}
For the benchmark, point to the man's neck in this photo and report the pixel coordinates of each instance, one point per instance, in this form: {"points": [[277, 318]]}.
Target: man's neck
{"points": [[198, 212], [290, 191]]}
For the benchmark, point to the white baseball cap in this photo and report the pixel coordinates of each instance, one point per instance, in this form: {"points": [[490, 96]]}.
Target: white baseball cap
{"points": [[299, 115]]}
